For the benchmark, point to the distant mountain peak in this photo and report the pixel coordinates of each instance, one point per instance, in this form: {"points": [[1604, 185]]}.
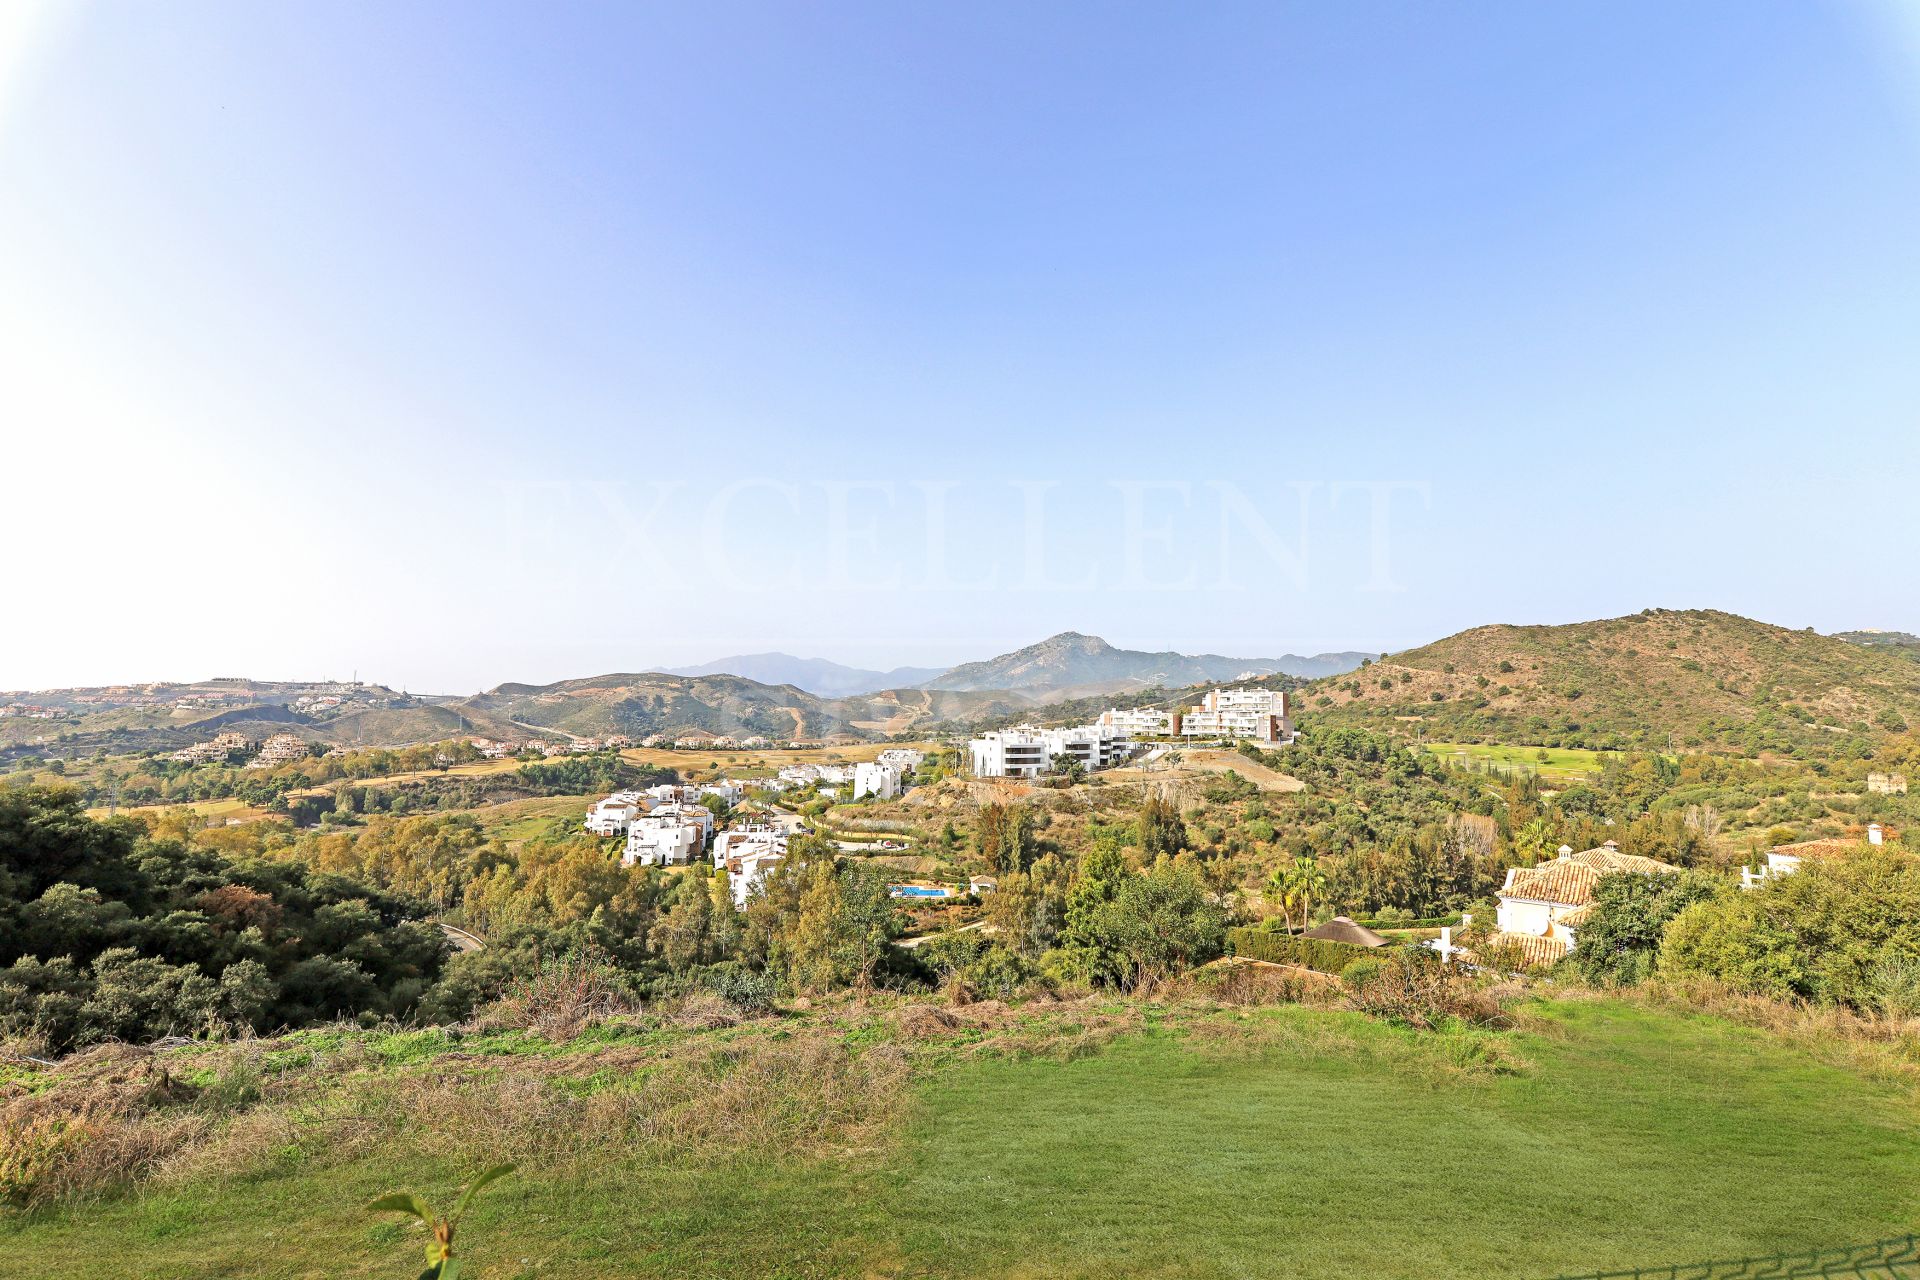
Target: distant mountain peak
{"points": [[1087, 665], [815, 675]]}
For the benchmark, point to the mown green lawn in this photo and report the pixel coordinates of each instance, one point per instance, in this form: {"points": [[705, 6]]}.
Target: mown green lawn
{"points": [[1287, 1143], [1561, 764]]}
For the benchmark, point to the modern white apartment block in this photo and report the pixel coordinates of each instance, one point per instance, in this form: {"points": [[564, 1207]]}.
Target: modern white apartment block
{"points": [[1259, 714], [1026, 752], [881, 781], [1146, 722], [697, 816]]}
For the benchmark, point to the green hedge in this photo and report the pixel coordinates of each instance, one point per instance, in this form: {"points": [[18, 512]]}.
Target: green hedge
{"points": [[1430, 922], [1283, 948]]}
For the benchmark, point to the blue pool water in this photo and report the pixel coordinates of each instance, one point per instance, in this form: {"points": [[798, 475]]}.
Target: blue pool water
{"points": [[915, 891]]}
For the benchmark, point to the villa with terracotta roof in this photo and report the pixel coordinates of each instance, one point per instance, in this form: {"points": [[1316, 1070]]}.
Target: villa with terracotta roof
{"points": [[1785, 859], [1542, 907]]}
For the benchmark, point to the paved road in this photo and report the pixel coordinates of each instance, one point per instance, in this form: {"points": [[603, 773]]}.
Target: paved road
{"points": [[460, 938]]}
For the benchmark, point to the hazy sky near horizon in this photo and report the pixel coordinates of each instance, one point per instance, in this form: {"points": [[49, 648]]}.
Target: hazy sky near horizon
{"points": [[457, 344]]}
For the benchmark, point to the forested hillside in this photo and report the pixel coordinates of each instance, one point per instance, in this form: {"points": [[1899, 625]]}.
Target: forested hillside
{"points": [[107, 932], [1689, 679], [638, 704]]}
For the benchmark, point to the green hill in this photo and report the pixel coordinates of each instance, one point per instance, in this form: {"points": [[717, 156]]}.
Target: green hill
{"points": [[653, 702], [1686, 678]]}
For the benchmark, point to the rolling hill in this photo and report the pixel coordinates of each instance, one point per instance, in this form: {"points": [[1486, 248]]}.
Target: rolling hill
{"points": [[655, 702], [1071, 665], [167, 716], [1692, 678]]}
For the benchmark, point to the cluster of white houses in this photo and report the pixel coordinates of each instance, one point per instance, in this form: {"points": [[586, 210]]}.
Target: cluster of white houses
{"points": [[670, 826], [504, 748], [281, 748], [1258, 715], [222, 746]]}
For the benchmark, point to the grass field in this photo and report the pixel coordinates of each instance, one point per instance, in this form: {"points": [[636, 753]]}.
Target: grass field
{"points": [[1562, 764], [1271, 1142], [465, 769], [222, 808], [524, 819]]}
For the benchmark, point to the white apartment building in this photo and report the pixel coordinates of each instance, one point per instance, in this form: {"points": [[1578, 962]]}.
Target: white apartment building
{"points": [[748, 870], [281, 748], [219, 749], [1259, 714], [1027, 752], [745, 838], [1146, 722], [881, 781], [697, 816], [613, 815], [905, 759], [727, 789], [660, 841]]}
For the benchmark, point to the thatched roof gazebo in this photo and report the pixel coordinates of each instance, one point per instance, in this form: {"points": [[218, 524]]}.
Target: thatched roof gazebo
{"points": [[1341, 929]]}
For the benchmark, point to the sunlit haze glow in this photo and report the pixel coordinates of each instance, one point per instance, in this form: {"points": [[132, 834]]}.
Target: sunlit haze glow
{"points": [[458, 344]]}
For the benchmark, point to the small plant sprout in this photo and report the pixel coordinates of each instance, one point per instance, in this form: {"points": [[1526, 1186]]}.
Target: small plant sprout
{"points": [[441, 1264]]}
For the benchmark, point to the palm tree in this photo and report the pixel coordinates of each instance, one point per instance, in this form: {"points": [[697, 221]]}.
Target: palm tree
{"points": [[1280, 893], [1297, 883], [1310, 882]]}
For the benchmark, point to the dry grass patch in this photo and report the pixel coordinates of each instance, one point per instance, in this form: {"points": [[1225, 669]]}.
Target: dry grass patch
{"points": [[110, 1118]]}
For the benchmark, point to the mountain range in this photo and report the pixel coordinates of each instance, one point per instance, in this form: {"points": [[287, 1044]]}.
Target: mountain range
{"points": [[1660, 678], [816, 675], [1067, 665], [1071, 665]]}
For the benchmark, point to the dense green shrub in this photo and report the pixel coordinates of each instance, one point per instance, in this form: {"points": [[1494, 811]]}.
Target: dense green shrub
{"points": [[1281, 948], [1825, 933], [1360, 972], [107, 933], [1618, 942]]}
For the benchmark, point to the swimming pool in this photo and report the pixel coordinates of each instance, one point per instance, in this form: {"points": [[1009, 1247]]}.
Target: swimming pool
{"points": [[917, 891]]}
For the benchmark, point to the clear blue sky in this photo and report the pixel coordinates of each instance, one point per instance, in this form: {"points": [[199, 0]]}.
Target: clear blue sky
{"points": [[458, 344]]}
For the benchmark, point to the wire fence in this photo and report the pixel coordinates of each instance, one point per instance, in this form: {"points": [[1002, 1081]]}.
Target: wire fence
{"points": [[1898, 1258]]}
